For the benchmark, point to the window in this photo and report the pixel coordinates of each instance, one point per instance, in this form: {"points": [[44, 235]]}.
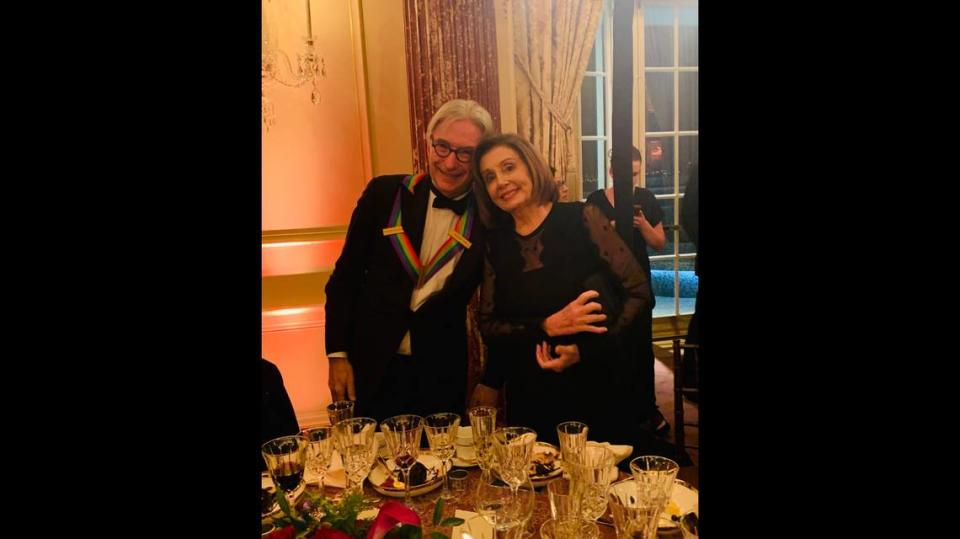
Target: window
{"points": [[666, 52]]}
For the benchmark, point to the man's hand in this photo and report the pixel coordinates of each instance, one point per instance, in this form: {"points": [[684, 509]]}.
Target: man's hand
{"points": [[340, 380], [567, 355], [576, 317]]}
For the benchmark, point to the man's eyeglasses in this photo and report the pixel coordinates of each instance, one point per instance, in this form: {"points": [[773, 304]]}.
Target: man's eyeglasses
{"points": [[443, 149]]}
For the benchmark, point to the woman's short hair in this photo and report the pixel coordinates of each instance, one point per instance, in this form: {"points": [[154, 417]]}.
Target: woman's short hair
{"points": [[544, 188], [462, 109]]}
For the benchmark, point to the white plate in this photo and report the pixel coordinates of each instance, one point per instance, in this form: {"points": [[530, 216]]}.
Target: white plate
{"points": [[684, 499], [545, 448], [267, 483], [378, 476]]}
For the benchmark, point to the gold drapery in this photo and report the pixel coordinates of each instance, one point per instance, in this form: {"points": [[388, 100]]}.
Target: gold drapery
{"points": [[451, 53], [552, 40]]}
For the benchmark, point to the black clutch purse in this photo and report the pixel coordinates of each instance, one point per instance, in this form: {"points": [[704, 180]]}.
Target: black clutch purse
{"points": [[611, 295]]}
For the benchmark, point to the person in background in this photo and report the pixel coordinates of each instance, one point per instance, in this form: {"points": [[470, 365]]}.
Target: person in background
{"points": [[647, 232], [397, 297], [562, 189], [277, 417]]}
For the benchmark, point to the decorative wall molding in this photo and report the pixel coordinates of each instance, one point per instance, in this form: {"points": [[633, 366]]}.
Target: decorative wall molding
{"points": [[324, 233]]}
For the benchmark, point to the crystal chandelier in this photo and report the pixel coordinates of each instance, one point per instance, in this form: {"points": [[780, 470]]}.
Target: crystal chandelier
{"points": [[275, 66]]}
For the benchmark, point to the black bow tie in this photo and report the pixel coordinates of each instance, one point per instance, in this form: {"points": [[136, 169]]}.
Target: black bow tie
{"points": [[442, 201]]}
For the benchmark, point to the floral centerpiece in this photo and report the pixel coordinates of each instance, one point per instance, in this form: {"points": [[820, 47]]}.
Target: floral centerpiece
{"points": [[318, 517]]}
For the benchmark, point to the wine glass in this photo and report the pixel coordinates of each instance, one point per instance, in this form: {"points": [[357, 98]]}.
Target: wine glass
{"points": [[340, 410], [633, 516], [483, 421], [441, 434], [286, 457], [402, 434], [513, 447], [319, 451], [356, 443], [506, 508]]}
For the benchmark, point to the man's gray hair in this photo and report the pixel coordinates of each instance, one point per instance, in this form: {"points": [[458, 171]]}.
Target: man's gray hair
{"points": [[462, 109]]}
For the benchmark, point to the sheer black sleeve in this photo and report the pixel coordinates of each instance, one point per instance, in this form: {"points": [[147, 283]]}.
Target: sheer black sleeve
{"points": [[622, 264]]}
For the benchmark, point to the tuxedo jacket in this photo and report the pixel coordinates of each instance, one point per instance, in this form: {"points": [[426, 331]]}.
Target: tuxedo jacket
{"points": [[368, 294]]}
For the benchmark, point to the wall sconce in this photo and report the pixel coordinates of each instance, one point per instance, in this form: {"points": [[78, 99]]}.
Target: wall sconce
{"points": [[275, 66]]}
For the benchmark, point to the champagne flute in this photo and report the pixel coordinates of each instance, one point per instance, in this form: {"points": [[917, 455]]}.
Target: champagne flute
{"points": [[483, 421], [441, 433], [402, 434], [319, 451]]}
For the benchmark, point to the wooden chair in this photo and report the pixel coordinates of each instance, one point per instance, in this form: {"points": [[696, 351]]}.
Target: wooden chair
{"points": [[679, 389]]}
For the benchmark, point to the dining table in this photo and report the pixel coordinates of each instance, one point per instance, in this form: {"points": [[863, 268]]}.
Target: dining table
{"points": [[425, 504]]}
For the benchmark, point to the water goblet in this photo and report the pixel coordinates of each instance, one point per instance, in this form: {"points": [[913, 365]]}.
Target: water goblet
{"points": [[402, 434], [441, 432], [654, 476], [356, 443], [507, 509], [633, 516], [513, 447], [319, 451], [591, 477]]}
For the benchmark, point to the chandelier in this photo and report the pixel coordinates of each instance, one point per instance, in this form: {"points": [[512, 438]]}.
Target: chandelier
{"points": [[276, 67]]}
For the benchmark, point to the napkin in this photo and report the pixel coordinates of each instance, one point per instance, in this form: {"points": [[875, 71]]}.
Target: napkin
{"points": [[620, 452], [474, 526], [336, 476]]}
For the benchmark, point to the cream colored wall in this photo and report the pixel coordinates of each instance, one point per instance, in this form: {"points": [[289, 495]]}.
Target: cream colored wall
{"points": [[387, 93]]}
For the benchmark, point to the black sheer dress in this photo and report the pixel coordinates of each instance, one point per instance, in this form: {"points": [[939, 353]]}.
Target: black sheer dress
{"points": [[528, 278]]}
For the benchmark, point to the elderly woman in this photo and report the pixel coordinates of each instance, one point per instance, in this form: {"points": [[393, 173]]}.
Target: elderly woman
{"points": [[549, 344]]}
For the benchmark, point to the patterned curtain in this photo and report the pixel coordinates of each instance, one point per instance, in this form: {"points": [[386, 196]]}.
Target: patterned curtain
{"points": [[451, 53], [552, 40]]}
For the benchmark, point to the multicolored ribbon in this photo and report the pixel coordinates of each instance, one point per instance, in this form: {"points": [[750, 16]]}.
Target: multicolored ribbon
{"points": [[458, 241]]}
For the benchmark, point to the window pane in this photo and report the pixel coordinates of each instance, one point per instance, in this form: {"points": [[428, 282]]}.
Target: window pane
{"points": [[589, 148], [659, 102], [689, 40], [659, 168], [588, 106], [689, 101], [686, 244], [658, 36], [689, 156]]}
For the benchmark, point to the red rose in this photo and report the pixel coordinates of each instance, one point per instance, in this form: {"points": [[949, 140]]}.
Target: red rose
{"points": [[330, 533], [287, 532], [392, 513]]}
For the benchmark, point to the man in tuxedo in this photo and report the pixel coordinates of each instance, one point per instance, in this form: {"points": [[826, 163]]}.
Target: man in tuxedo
{"points": [[413, 257]]}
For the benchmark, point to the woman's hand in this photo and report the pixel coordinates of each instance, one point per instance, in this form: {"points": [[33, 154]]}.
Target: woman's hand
{"points": [[567, 355], [576, 317]]}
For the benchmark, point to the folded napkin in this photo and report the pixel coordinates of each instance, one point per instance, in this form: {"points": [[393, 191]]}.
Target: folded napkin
{"points": [[620, 452], [474, 526], [336, 476]]}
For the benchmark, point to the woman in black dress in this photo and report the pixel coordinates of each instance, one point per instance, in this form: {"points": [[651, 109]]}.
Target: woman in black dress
{"points": [[549, 346]]}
